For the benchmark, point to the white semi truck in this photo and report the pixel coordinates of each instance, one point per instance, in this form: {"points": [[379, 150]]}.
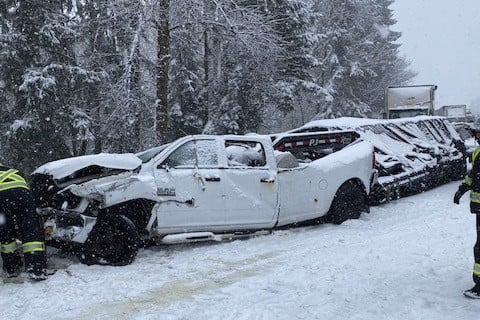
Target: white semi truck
{"points": [[454, 113], [409, 101]]}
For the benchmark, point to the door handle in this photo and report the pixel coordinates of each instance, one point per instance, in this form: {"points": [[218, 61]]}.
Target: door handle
{"points": [[267, 180], [212, 179]]}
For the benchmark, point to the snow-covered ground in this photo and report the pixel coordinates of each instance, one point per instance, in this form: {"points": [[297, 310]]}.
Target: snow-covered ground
{"points": [[408, 259]]}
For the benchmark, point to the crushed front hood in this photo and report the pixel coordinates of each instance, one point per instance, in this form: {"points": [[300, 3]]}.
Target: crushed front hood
{"points": [[72, 167]]}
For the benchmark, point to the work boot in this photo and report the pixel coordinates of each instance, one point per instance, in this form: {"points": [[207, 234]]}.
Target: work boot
{"points": [[12, 264], [36, 265], [37, 275], [474, 292], [14, 274]]}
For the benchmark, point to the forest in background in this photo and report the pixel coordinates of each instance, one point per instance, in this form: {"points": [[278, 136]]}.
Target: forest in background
{"points": [[87, 76]]}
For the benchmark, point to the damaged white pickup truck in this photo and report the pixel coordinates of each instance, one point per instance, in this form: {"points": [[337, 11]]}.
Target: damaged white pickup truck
{"points": [[194, 189]]}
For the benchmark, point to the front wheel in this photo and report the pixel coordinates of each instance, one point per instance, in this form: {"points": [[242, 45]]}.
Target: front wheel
{"points": [[349, 203], [114, 240]]}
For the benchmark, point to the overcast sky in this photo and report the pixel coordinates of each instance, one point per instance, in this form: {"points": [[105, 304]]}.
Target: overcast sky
{"points": [[441, 38]]}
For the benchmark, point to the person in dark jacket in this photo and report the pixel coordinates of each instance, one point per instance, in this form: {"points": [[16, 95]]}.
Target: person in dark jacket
{"points": [[472, 183], [20, 228]]}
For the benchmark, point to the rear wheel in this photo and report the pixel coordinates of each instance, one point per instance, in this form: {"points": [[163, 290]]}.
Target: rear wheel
{"points": [[114, 240], [349, 203]]}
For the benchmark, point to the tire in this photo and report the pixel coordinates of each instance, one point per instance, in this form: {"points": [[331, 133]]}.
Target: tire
{"points": [[349, 203], [114, 240]]}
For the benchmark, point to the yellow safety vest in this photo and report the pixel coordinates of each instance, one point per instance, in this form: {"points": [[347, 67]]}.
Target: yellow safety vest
{"points": [[474, 194]]}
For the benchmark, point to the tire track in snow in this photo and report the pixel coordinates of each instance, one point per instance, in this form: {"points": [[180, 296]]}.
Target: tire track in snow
{"points": [[223, 274]]}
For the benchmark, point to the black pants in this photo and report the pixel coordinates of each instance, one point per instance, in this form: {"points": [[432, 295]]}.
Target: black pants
{"points": [[22, 223]]}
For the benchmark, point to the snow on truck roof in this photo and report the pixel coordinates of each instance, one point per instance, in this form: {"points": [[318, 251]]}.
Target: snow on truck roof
{"points": [[350, 122]]}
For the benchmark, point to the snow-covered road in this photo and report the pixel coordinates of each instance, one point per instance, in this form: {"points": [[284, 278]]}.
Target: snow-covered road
{"points": [[408, 259]]}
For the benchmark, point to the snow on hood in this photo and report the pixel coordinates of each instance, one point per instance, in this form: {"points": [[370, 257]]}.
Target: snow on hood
{"points": [[62, 168]]}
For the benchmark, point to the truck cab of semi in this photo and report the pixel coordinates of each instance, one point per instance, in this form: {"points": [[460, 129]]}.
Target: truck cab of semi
{"points": [[409, 101]]}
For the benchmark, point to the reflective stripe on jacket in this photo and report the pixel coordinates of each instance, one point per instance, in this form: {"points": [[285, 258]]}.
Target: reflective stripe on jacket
{"points": [[33, 246], [9, 179], [476, 269], [9, 247], [27, 247]]}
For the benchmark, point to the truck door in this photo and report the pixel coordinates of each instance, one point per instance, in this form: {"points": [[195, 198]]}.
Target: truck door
{"points": [[251, 185], [190, 182]]}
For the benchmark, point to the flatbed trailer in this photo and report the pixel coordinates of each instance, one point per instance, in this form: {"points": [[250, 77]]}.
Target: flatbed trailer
{"points": [[411, 154]]}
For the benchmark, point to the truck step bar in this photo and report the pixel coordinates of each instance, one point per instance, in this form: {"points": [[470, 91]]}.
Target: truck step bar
{"points": [[209, 236]]}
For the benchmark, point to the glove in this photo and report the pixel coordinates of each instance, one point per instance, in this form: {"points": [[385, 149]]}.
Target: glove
{"points": [[457, 196], [460, 192]]}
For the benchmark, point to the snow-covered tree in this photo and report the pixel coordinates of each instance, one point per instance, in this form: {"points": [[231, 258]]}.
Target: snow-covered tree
{"points": [[296, 92], [239, 53], [386, 62], [187, 107], [118, 40], [41, 82], [357, 55]]}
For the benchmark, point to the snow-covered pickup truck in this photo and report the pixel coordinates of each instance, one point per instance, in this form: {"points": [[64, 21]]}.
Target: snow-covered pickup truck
{"points": [[194, 189]]}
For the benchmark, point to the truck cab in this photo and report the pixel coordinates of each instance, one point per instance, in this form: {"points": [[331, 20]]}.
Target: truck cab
{"points": [[226, 182], [409, 101]]}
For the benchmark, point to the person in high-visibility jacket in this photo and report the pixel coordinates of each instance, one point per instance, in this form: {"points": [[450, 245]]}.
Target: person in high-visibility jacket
{"points": [[472, 183], [20, 228]]}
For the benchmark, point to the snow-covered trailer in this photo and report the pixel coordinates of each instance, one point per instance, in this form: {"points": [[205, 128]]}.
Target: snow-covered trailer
{"points": [[412, 154]]}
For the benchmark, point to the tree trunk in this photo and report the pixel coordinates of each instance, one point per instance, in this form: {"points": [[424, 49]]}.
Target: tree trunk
{"points": [[163, 63]]}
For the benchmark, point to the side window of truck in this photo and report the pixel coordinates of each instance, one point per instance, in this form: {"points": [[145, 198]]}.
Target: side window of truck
{"points": [[201, 153], [245, 154], [207, 153]]}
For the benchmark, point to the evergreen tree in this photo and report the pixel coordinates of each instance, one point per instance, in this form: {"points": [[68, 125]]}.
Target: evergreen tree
{"points": [[389, 67], [241, 51], [42, 84], [187, 107], [187, 112], [297, 92], [357, 55]]}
